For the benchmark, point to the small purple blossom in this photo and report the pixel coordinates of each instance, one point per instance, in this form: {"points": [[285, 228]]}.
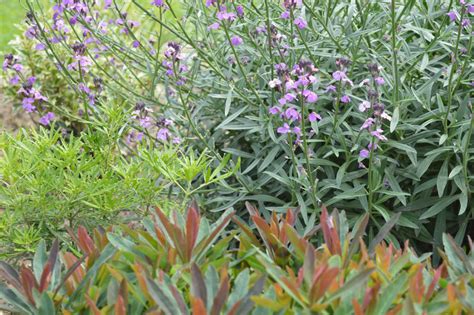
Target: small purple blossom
{"points": [[163, 134], [236, 40], [364, 106], [274, 110], [452, 16], [378, 134], [345, 99], [136, 44], [312, 117], [311, 97], [369, 122], [284, 129], [339, 75], [40, 46], [240, 11], [158, 3], [379, 81], [364, 153], [213, 26], [46, 119], [300, 23], [331, 89], [292, 114], [285, 15]]}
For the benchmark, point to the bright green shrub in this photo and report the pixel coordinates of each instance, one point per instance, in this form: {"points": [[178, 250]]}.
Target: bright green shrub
{"points": [[186, 265], [50, 183]]}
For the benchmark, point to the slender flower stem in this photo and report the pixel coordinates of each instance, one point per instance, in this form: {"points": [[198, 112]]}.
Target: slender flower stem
{"points": [[395, 95], [451, 74], [312, 184]]}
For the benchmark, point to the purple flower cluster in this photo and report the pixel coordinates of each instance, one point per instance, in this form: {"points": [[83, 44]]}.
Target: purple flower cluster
{"points": [[375, 111], [150, 125], [295, 88], [173, 63], [32, 99]]}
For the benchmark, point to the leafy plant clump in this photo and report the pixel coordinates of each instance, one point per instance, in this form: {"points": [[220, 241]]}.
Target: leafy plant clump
{"points": [[361, 105], [187, 265], [51, 183]]}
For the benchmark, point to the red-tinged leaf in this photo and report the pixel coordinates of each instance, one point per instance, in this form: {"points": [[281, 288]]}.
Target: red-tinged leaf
{"points": [[354, 245], [198, 307], [322, 280], [264, 231], [308, 265], [330, 234], [29, 283], [370, 296], [74, 269], [45, 277], [247, 231], [73, 264], [124, 291], [193, 222], [198, 286], [174, 233], [396, 310], [85, 241], [53, 254], [217, 230], [416, 285], [433, 283], [95, 310], [357, 308], [10, 274], [138, 270], [179, 299], [233, 310], [251, 209], [298, 242], [221, 296], [120, 308]]}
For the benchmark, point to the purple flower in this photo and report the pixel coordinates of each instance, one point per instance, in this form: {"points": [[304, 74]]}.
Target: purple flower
{"points": [[136, 44], [292, 114], [28, 105], [46, 119], [285, 15], [301, 23], [213, 26], [17, 67], [452, 16], [314, 117], [379, 81], [163, 134], [345, 99], [470, 8], [297, 131], [284, 129], [15, 80], [274, 83], [210, 3], [465, 23], [240, 11], [364, 153], [290, 97], [158, 3], [331, 89], [378, 134], [107, 4], [311, 97], [369, 122], [339, 75], [40, 46], [274, 110], [364, 106], [236, 40]]}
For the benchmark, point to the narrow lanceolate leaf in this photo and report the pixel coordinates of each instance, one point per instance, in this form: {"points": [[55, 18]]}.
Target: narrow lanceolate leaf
{"points": [[354, 245], [221, 296], [353, 284], [161, 298], [442, 179], [441, 205], [10, 274], [193, 221], [198, 286], [383, 232]]}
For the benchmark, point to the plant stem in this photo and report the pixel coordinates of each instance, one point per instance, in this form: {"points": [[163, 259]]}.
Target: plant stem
{"points": [[395, 96], [451, 74]]}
